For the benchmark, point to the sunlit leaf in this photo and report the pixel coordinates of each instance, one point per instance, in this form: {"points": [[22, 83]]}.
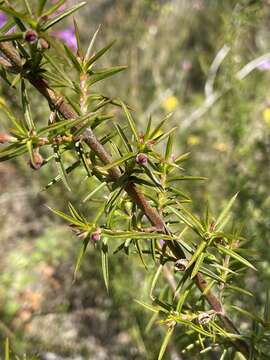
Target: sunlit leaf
{"points": [[7, 357], [80, 256], [222, 217], [26, 107], [11, 37], [73, 59], [154, 281], [103, 74], [104, 261], [78, 40], [156, 130], [41, 5], [197, 265], [197, 254], [169, 148], [165, 342], [147, 306], [61, 167], [66, 217], [92, 193], [62, 15], [118, 162], [135, 235], [58, 178], [95, 57], [234, 255], [91, 44], [130, 121]]}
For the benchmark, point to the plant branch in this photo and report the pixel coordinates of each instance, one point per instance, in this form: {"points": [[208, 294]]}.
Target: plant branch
{"points": [[57, 102]]}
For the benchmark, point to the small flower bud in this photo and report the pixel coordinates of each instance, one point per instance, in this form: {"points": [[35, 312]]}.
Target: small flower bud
{"points": [[43, 44], [95, 236], [37, 160], [151, 142], [203, 318], [4, 138], [180, 265], [141, 159], [30, 36]]}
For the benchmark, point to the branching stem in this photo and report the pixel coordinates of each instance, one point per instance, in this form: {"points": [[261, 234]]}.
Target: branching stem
{"points": [[57, 102]]}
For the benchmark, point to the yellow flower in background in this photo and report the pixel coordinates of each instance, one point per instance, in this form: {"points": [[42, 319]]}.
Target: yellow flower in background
{"points": [[266, 116], [193, 140], [220, 147], [170, 103]]}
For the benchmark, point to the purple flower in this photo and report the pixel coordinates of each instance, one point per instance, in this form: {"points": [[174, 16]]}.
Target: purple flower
{"points": [[264, 65], [3, 19], [162, 243], [68, 36]]}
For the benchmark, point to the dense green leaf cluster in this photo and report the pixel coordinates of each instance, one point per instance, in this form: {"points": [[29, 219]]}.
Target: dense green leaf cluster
{"points": [[137, 180]]}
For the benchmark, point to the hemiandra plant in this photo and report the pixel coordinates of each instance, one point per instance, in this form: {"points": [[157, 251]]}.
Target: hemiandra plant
{"points": [[141, 200]]}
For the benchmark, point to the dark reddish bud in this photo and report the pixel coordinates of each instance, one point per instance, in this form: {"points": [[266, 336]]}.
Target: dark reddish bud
{"points": [[37, 160], [141, 159], [30, 36], [96, 236], [4, 138]]}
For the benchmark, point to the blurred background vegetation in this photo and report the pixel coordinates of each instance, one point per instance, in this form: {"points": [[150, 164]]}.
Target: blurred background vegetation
{"points": [[169, 46]]}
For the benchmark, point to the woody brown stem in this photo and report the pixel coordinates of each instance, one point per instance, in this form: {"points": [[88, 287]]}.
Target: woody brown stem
{"points": [[57, 102]]}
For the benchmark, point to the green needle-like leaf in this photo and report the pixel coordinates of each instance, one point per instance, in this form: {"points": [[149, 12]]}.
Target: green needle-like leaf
{"points": [[91, 44], [104, 262], [78, 39], [53, 8], [63, 15], [26, 107], [154, 281], [135, 235], [148, 307], [68, 218], [73, 59], [197, 254], [223, 216], [169, 148], [103, 74], [197, 265], [234, 255], [95, 57], [92, 193], [130, 121], [80, 256], [11, 37], [61, 167], [41, 5], [165, 343], [7, 357], [118, 161]]}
